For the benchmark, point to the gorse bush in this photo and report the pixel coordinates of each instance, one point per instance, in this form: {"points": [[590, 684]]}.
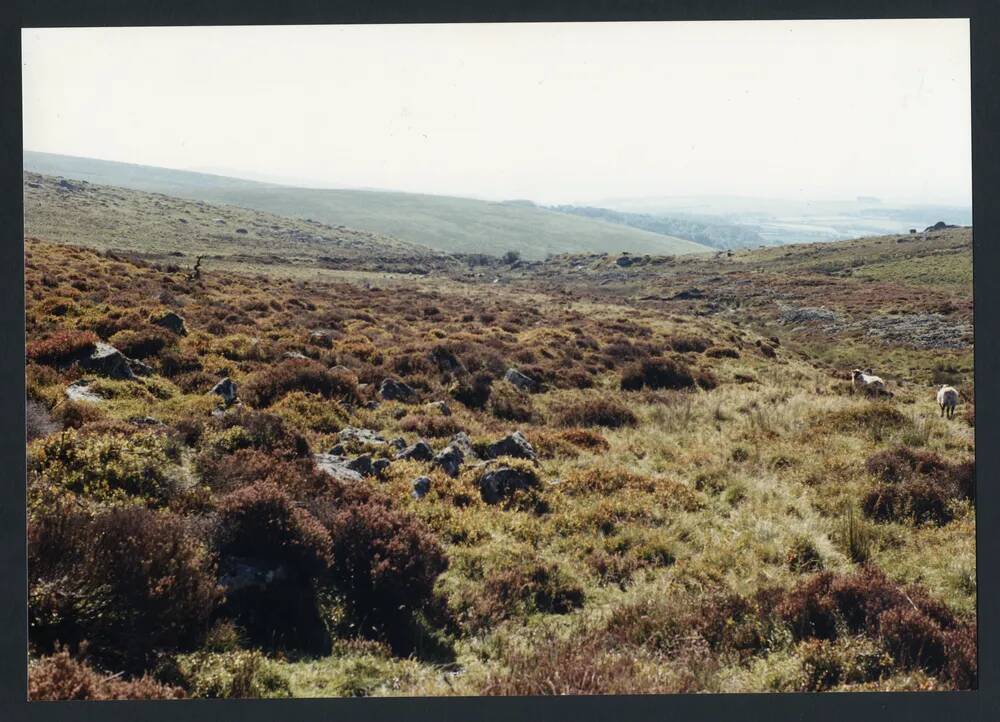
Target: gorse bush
{"points": [[61, 347], [268, 385], [104, 467], [130, 581], [60, 676]]}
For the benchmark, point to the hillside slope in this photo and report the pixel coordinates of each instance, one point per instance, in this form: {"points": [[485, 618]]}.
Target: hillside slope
{"points": [[159, 227], [457, 225]]}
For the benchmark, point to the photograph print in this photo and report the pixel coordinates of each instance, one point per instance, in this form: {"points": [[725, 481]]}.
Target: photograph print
{"points": [[495, 359]]}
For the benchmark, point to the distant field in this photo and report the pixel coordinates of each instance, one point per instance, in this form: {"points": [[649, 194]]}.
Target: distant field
{"points": [[457, 225]]}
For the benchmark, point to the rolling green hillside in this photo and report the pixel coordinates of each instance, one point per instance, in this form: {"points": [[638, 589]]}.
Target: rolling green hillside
{"points": [[458, 225]]}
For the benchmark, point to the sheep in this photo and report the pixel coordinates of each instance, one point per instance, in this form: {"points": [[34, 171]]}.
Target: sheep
{"points": [[870, 384], [947, 398]]}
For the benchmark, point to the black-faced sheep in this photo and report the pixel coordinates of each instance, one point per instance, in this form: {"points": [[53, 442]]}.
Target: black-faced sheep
{"points": [[947, 398]]}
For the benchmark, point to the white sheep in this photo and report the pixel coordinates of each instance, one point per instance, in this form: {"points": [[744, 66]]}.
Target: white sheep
{"points": [[869, 383], [947, 398]]}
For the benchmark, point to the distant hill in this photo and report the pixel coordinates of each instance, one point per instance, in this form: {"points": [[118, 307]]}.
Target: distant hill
{"points": [[176, 230], [722, 236], [444, 223]]}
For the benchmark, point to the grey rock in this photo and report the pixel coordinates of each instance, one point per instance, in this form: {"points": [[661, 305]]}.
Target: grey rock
{"points": [[392, 390], [337, 450], [399, 443], [525, 383], [420, 451], [450, 460], [171, 321], [379, 467], [513, 445], [295, 355], [108, 361], [81, 391], [361, 464], [336, 466], [140, 368], [421, 486], [497, 484], [360, 436], [462, 442], [226, 388]]}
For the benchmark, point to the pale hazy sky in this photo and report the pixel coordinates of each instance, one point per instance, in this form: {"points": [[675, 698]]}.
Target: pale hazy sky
{"points": [[565, 112]]}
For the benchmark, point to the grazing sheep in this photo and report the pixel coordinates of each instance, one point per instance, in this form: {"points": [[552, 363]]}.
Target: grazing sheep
{"points": [[870, 384], [947, 398]]}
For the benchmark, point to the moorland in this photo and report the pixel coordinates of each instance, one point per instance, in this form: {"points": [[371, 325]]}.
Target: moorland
{"points": [[471, 474]]}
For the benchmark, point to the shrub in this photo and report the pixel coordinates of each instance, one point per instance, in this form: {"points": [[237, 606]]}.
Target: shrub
{"points": [[918, 631], [509, 404], [657, 373], [474, 392], [384, 562], [877, 417], [586, 439], [174, 362], [38, 421], [141, 343], [248, 429], [310, 412], [802, 555], [722, 352], [130, 581], [261, 522], [430, 426], [244, 467], [240, 674], [579, 666], [261, 528], [61, 677], [104, 467], [596, 411], [689, 344], [268, 385], [912, 638], [916, 485], [61, 347], [520, 587]]}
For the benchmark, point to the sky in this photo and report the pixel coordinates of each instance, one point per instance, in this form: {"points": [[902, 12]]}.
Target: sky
{"points": [[551, 112]]}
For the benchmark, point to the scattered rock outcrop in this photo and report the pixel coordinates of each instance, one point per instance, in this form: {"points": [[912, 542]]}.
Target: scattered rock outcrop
{"points": [[525, 383], [108, 361], [420, 451], [497, 484], [82, 391], [171, 321], [392, 390], [226, 388], [512, 445]]}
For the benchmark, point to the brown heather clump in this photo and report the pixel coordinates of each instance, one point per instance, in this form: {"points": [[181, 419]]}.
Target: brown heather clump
{"points": [[61, 677], [916, 486], [657, 373], [268, 385], [518, 589], [383, 561], [130, 581], [918, 631], [61, 347], [430, 426], [722, 352], [689, 344], [261, 522], [595, 411], [141, 343]]}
